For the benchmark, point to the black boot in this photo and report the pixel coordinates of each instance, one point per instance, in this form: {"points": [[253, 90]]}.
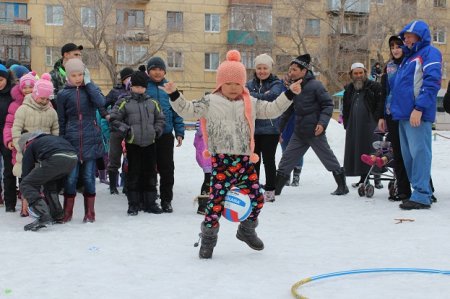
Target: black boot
{"points": [[280, 182], [166, 206], [113, 175], [133, 202], [56, 210], [296, 176], [150, 204], [208, 236], [339, 177], [40, 209], [246, 233]]}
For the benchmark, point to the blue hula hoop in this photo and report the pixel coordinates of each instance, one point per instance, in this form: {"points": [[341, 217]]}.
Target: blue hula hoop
{"points": [[362, 271]]}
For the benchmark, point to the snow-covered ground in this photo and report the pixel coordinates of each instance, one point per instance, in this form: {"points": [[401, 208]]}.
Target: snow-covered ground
{"points": [[306, 232]]}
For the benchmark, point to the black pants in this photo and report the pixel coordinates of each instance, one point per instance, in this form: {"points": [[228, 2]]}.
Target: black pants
{"points": [[266, 148], [141, 176], [9, 180], [165, 166], [48, 173], [115, 151], [403, 184]]}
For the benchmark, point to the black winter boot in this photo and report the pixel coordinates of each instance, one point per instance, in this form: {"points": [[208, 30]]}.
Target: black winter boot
{"points": [[339, 177], [40, 209], [150, 204], [280, 182], [133, 203], [56, 210], [113, 175], [208, 236], [296, 176], [246, 233]]}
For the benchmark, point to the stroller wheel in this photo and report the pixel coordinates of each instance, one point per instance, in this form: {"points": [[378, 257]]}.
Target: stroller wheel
{"points": [[361, 190], [369, 190]]}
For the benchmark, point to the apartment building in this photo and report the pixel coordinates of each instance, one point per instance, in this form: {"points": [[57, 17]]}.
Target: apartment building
{"points": [[194, 35]]}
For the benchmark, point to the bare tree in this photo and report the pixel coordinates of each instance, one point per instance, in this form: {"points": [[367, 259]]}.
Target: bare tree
{"points": [[95, 22]]}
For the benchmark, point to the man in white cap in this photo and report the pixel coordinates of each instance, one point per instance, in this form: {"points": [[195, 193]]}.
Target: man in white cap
{"points": [[362, 107]]}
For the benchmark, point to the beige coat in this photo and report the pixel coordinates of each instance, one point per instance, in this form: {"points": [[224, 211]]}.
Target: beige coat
{"points": [[30, 117], [226, 125]]}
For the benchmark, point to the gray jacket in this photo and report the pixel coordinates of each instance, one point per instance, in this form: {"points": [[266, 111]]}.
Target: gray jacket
{"points": [[139, 118]]}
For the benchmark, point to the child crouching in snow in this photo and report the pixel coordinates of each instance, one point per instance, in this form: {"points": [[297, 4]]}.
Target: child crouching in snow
{"points": [[228, 115]]}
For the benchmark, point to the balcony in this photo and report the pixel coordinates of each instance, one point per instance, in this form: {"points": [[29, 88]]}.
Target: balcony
{"points": [[350, 7], [138, 35], [257, 2], [15, 27], [249, 38]]}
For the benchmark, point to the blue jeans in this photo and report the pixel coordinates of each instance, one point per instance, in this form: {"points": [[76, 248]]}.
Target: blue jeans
{"points": [[87, 175], [415, 144]]}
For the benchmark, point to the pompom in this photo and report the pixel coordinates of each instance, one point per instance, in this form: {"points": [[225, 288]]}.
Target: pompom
{"points": [[33, 73], [46, 76], [234, 55], [206, 154], [254, 158], [142, 68]]}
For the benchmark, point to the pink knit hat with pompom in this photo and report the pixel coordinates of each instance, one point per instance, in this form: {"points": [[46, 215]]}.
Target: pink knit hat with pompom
{"points": [[27, 80], [43, 88], [233, 71]]}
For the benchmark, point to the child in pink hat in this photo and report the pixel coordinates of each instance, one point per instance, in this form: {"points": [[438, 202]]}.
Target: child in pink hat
{"points": [[228, 119]]}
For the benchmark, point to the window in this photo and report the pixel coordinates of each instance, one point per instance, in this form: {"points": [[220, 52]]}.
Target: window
{"points": [[15, 47], [212, 23], [128, 54], [251, 18], [312, 27], [174, 21], [283, 26], [211, 61], [54, 15], [174, 59], [9, 12], [282, 63], [377, 1], [440, 3], [130, 18], [247, 58], [439, 35], [88, 17], [52, 54]]}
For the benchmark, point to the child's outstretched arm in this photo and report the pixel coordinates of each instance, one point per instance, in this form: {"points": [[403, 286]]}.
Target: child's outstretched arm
{"points": [[186, 109], [267, 110]]}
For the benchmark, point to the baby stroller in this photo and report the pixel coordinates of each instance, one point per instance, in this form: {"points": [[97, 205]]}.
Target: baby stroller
{"points": [[381, 167]]}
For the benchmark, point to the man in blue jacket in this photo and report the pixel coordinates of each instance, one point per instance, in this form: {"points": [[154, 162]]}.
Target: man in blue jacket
{"points": [[413, 104], [156, 69]]}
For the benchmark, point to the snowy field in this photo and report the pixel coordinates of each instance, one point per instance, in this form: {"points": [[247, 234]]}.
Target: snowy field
{"points": [[306, 231]]}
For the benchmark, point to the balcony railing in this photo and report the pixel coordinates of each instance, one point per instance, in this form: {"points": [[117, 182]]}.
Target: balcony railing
{"points": [[349, 6], [15, 27], [248, 38]]}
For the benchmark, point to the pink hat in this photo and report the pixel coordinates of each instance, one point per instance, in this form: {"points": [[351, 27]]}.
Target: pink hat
{"points": [[233, 71], [27, 80], [43, 88]]}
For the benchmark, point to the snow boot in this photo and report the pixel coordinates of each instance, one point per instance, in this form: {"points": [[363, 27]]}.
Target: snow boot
{"points": [[69, 201], [280, 182], [296, 177], [113, 176], [102, 175], [339, 177], [269, 196], [208, 237], [166, 206], [42, 213], [150, 204], [89, 212], [133, 203], [246, 233], [56, 210]]}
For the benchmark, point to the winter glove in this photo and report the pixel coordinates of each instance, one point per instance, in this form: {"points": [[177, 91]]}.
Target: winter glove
{"points": [[124, 130], [87, 76]]}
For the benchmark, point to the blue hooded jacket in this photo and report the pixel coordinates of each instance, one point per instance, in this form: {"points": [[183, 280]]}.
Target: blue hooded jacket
{"points": [[418, 78]]}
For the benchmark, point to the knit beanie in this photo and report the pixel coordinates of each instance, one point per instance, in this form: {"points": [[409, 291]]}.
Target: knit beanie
{"points": [[28, 136], [139, 78], [4, 72], [43, 88], [19, 70], [74, 65], [27, 80], [264, 59], [303, 61], [156, 62], [233, 71], [125, 73]]}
